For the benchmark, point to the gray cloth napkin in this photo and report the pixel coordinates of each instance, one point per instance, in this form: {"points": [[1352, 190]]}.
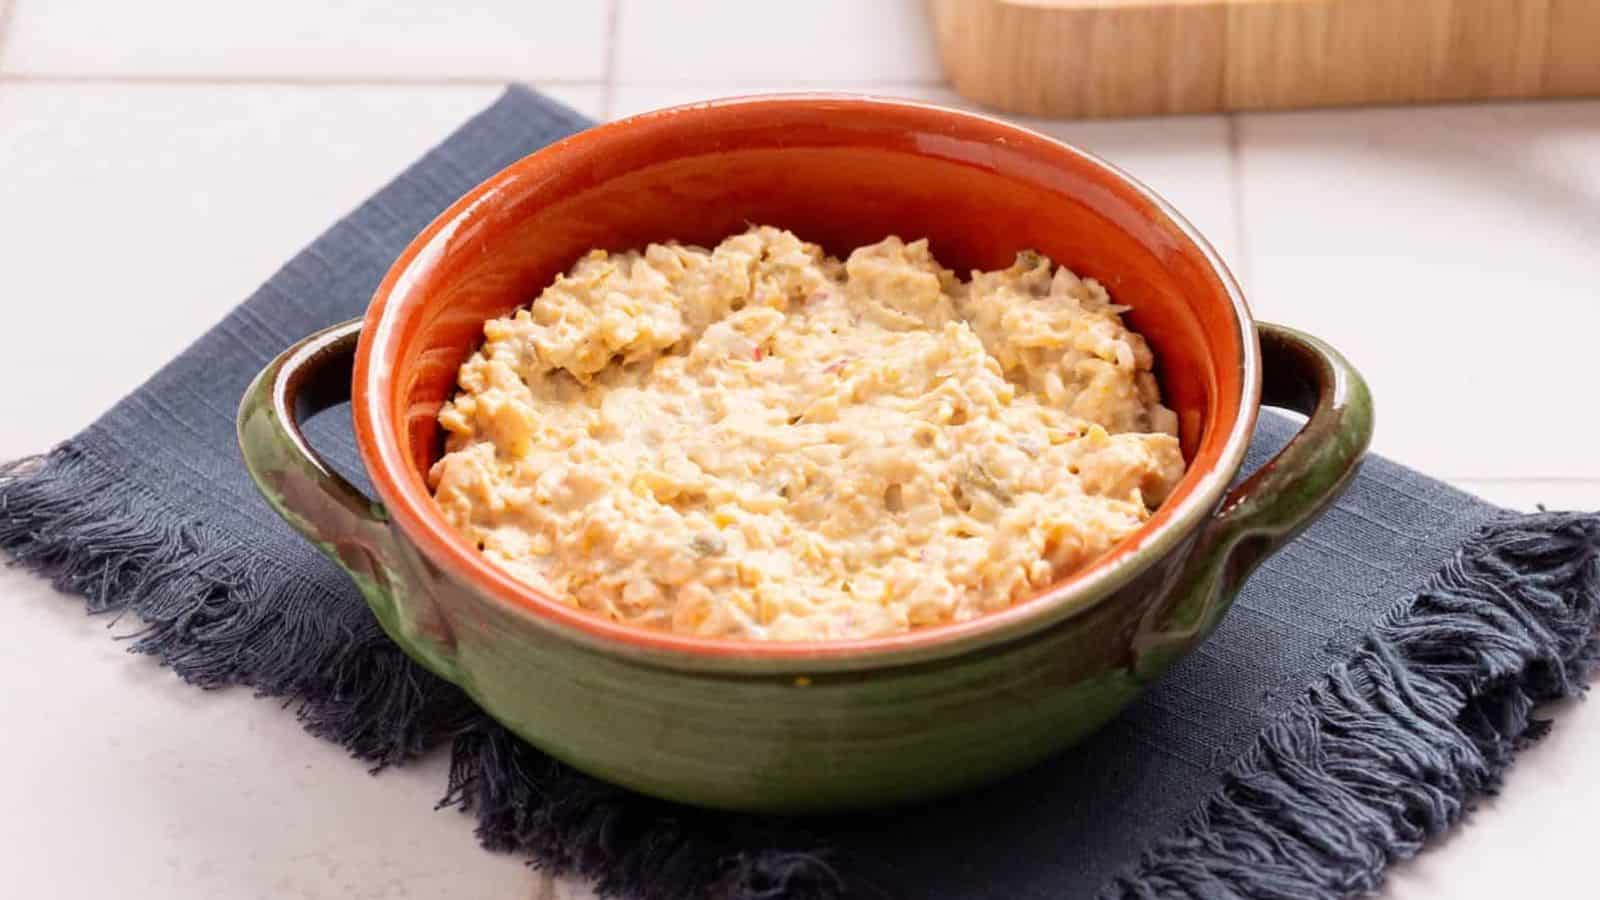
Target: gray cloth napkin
{"points": [[1374, 678]]}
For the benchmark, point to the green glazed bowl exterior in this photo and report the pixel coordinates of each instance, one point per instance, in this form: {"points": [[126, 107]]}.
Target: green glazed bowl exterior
{"points": [[800, 728]]}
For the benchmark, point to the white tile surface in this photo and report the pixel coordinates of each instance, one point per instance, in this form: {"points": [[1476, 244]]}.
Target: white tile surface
{"points": [[1535, 839], [1184, 159], [1451, 253], [122, 782], [775, 41], [1528, 494], [152, 210], [410, 40]]}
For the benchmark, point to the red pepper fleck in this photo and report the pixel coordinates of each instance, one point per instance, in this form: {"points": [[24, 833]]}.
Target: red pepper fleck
{"points": [[756, 354]]}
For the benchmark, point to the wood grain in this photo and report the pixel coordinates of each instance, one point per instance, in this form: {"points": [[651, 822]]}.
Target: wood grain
{"points": [[1094, 58]]}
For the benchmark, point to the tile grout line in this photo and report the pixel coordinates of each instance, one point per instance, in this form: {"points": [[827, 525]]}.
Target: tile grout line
{"points": [[1236, 199], [1584, 480], [291, 80], [787, 84], [438, 81], [608, 98]]}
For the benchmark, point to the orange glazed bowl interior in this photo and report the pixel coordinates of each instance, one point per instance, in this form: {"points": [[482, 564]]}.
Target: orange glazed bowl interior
{"points": [[837, 171]]}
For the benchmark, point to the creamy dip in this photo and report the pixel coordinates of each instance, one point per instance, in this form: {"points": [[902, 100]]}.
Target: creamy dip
{"points": [[761, 441]]}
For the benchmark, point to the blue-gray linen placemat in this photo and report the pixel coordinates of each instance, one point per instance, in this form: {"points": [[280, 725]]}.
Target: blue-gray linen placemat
{"points": [[1373, 679]]}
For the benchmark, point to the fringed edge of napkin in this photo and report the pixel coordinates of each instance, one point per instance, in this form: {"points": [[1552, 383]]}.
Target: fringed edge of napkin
{"points": [[1394, 745], [71, 516], [1385, 751], [216, 613]]}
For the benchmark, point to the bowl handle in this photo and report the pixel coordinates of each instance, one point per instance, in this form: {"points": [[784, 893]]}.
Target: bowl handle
{"points": [[347, 526], [1272, 506]]}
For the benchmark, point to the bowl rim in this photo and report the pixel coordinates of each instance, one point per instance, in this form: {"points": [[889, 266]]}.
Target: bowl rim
{"points": [[410, 506]]}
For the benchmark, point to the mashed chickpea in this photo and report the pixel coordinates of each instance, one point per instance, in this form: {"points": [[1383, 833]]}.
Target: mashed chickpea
{"points": [[761, 441]]}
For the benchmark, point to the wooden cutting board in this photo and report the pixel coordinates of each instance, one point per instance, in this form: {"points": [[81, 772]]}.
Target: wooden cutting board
{"points": [[1089, 58]]}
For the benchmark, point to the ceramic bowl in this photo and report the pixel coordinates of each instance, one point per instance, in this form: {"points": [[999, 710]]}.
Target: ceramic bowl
{"points": [[801, 727]]}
